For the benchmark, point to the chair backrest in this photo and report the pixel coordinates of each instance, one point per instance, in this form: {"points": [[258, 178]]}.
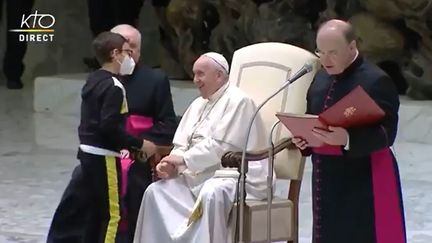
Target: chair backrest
{"points": [[261, 69]]}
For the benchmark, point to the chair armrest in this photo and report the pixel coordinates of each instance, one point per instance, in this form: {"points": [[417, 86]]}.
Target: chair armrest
{"points": [[233, 159]]}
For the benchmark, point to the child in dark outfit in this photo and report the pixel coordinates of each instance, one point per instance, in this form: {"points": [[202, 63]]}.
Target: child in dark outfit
{"points": [[102, 136]]}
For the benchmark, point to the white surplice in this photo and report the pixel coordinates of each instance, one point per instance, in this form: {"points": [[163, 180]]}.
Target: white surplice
{"points": [[208, 129]]}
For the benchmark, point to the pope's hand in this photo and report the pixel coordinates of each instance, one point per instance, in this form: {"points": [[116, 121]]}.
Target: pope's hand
{"points": [[174, 159], [166, 170]]}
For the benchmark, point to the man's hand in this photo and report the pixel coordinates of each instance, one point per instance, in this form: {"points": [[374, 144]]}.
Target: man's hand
{"points": [[166, 170], [300, 143], [337, 136], [149, 148]]}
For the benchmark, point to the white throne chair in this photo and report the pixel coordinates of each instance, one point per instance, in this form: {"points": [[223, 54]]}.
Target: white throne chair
{"points": [[260, 70]]}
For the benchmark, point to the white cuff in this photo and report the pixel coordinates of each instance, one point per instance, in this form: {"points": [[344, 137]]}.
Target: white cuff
{"points": [[347, 146]]}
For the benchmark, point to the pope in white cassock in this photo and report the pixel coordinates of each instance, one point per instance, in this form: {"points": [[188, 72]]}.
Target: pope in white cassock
{"points": [[191, 203]]}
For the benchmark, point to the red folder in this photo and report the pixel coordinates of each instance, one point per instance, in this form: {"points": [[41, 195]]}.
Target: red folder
{"points": [[357, 108]]}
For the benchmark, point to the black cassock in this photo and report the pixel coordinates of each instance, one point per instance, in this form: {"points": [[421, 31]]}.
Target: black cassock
{"points": [[148, 94], [357, 196]]}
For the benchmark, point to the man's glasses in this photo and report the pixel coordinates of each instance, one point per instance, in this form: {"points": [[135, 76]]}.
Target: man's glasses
{"points": [[330, 54]]}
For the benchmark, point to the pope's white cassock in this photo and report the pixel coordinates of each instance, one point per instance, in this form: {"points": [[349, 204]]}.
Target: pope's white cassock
{"points": [[208, 129]]}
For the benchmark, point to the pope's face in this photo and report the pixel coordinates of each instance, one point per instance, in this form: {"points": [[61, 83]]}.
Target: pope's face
{"points": [[207, 78]]}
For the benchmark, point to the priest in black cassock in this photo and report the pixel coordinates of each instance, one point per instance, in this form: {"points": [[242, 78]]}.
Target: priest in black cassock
{"points": [[356, 185], [148, 94]]}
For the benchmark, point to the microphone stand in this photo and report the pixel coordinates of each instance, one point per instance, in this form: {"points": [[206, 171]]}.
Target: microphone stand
{"points": [[244, 167], [270, 181]]}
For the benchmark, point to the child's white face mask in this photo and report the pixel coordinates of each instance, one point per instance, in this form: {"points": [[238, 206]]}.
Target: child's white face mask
{"points": [[127, 66]]}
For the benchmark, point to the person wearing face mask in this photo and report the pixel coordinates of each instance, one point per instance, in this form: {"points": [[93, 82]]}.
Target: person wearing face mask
{"points": [[356, 187], [151, 117], [102, 135]]}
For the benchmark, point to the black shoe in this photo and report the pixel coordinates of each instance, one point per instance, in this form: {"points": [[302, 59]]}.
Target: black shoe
{"points": [[14, 85]]}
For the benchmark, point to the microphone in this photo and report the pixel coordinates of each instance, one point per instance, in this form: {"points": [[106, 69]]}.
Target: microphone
{"points": [[307, 67]]}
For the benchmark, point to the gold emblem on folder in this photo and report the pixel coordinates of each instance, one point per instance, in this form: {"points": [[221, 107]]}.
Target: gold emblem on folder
{"points": [[349, 111]]}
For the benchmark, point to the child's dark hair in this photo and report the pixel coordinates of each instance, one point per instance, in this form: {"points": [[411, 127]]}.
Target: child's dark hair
{"points": [[105, 43]]}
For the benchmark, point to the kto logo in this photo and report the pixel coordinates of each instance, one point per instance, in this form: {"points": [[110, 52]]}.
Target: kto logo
{"points": [[36, 27]]}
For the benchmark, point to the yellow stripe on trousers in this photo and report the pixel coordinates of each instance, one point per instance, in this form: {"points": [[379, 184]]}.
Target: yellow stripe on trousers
{"points": [[113, 198]]}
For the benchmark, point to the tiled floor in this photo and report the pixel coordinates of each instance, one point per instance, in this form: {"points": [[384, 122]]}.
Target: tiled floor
{"points": [[37, 153]]}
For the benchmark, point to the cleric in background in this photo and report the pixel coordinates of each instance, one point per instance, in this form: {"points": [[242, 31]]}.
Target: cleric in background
{"points": [[151, 117], [356, 186]]}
